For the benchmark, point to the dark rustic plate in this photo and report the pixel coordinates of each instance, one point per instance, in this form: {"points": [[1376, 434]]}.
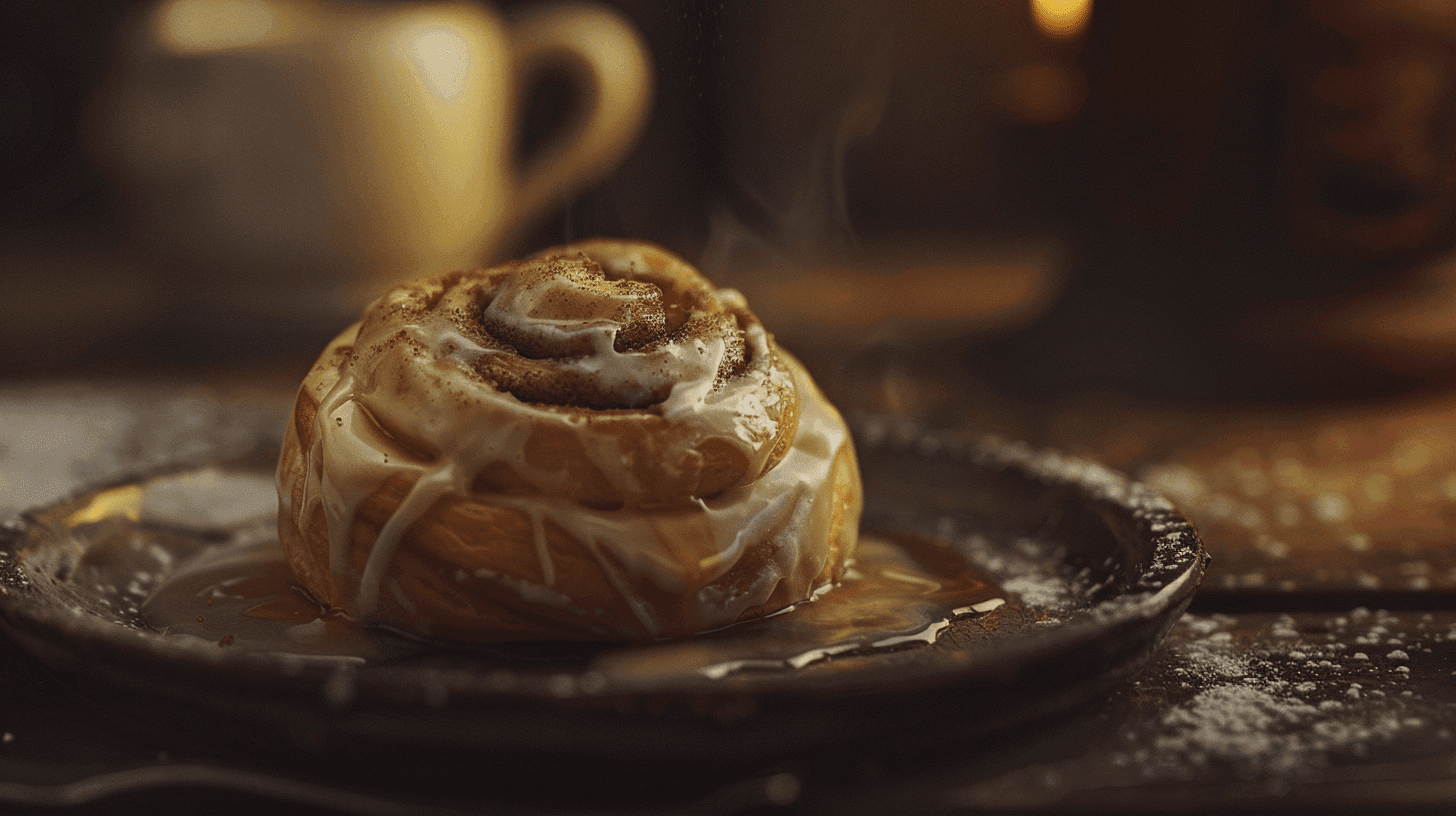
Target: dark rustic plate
{"points": [[1093, 569]]}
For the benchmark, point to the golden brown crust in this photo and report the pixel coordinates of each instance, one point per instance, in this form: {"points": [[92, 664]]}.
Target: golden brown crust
{"points": [[418, 492], [442, 554]]}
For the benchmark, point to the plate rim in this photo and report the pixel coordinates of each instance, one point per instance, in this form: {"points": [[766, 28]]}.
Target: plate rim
{"points": [[1179, 559]]}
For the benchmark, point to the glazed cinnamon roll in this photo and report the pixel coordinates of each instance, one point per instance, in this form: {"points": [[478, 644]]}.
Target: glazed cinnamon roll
{"points": [[591, 444]]}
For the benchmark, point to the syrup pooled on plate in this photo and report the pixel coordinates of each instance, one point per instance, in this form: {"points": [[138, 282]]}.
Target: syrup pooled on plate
{"points": [[194, 566], [899, 591], [248, 598]]}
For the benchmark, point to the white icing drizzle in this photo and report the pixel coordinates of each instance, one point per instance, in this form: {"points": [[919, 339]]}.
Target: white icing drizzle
{"points": [[425, 493], [468, 425], [543, 551]]}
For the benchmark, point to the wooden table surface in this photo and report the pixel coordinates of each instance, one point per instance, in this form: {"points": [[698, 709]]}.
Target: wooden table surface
{"points": [[1316, 669]]}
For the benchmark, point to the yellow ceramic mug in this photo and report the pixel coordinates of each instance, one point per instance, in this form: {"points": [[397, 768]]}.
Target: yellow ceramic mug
{"points": [[335, 147]]}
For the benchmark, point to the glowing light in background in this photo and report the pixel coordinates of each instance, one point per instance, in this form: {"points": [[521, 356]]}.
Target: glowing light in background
{"points": [[443, 57], [1061, 18], [1042, 93], [202, 26], [124, 501]]}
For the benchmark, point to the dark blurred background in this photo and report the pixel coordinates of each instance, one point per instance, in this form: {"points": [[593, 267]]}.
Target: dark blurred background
{"points": [[1224, 199], [745, 90]]}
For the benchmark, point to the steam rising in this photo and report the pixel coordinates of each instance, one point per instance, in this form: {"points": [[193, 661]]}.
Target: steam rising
{"points": [[815, 225]]}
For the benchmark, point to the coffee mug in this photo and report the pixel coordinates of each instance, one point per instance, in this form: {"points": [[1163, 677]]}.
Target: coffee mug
{"points": [[331, 149]]}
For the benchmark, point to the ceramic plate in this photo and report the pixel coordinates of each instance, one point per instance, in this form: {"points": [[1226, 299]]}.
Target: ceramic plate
{"points": [[1065, 575]]}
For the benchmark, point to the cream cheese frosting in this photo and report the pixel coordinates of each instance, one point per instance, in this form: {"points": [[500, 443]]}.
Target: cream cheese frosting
{"points": [[603, 391]]}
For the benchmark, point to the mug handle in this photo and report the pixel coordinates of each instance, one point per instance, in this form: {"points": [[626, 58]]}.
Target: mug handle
{"points": [[610, 67]]}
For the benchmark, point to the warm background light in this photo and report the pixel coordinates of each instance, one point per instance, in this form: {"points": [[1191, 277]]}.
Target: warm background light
{"points": [[442, 55], [1042, 92], [201, 26], [1061, 18]]}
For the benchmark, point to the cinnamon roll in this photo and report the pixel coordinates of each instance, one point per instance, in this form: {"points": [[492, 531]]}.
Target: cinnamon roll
{"points": [[594, 443]]}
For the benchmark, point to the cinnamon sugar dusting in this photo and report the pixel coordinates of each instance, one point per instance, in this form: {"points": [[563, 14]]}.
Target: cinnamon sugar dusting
{"points": [[569, 331], [565, 292]]}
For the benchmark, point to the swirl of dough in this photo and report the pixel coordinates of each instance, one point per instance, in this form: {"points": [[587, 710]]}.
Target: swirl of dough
{"points": [[592, 443]]}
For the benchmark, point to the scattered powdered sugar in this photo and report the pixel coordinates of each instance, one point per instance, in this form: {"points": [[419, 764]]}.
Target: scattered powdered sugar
{"points": [[1040, 571], [1030, 568], [1283, 704], [1250, 708], [1237, 722], [1263, 729], [1211, 658], [1290, 513]]}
